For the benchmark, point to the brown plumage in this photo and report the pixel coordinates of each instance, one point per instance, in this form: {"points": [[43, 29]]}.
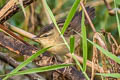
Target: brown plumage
{"points": [[74, 24], [49, 35]]}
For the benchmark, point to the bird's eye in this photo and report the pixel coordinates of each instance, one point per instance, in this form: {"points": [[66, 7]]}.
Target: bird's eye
{"points": [[48, 34], [45, 35]]}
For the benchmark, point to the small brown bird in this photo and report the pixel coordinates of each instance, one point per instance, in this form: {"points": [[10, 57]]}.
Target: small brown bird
{"points": [[49, 36]]}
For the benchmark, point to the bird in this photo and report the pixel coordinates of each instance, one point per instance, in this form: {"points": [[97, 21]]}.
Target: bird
{"points": [[49, 36]]}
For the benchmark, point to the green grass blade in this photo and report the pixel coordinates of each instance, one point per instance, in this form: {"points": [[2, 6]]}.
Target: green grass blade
{"points": [[117, 18], [107, 53], [72, 44], [42, 69], [70, 16], [27, 61], [84, 42], [55, 23], [77, 62], [114, 75], [52, 16]]}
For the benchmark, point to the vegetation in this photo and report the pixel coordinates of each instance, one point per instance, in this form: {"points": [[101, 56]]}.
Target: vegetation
{"points": [[99, 40]]}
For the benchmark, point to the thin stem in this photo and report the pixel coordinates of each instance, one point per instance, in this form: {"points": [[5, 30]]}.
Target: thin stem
{"points": [[87, 16]]}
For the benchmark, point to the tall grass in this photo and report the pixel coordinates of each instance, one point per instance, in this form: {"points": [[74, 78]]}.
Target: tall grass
{"points": [[117, 18], [84, 42], [109, 54], [23, 64], [71, 47], [40, 69], [67, 21]]}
